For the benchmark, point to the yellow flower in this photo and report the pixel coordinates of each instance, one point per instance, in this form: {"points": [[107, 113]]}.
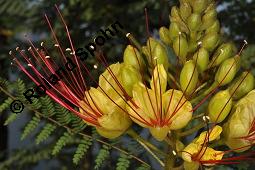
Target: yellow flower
{"points": [[107, 104], [158, 109], [198, 153], [239, 131]]}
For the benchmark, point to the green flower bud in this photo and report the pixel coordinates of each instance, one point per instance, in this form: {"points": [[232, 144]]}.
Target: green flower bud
{"points": [[227, 70], [215, 27], [174, 30], [165, 35], [222, 53], [199, 5], [194, 21], [160, 56], [151, 44], [219, 106], [129, 77], [180, 46], [133, 57], [188, 79], [175, 12], [209, 18], [202, 58], [210, 41], [185, 10], [245, 83]]}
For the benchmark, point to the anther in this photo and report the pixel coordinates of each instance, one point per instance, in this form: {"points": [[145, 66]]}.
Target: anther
{"points": [[95, 66], [30, 65], [47, 56], [199, 43], [42, 43], [92, 47], [29, 48], [245, 41], [10, 52], [179, 33], [174, 153], [68, 49], [56, 45], [128, 34], [17, 48]]}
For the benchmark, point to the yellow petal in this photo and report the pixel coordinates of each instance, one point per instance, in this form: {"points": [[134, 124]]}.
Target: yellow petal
{"points": [[214, 134], [175, 103], [159, 79]]}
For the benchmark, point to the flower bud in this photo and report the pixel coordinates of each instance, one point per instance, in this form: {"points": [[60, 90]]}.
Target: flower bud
{"points": [[222, 53], [175, 12], [215, 27], [174, 30], [151, 44], [194, 21], [227, 70], [199, 5], [133, 57], [185, 10], [160, 56], [130, 76], [240, 123], [165, 35], [242, 85], [209, 18], [219, 106], [189, 77], [202, 59], [180, 46], [210, 41]]}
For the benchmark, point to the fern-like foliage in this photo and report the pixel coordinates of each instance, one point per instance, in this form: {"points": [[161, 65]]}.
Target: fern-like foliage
{"points": [[45, 133], [30, 127], [143, 167], [5, 105], [82, 148], [48, 108], [62, 141], [10, 118], [63, 116], [123, 162], [77, 124], [103, 154]]}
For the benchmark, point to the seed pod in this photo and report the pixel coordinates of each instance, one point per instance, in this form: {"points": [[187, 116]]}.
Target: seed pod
{"points": [[242, 85], [210, 41], [215, 27], [165, 35], [180, 46], [189, 77], [202, 59], [133, 57], [194, 21], [160, 56], [174, 30], [185, 10], [129, 77], [219, 106], [199, 5], [222, 53], [227, 70]]}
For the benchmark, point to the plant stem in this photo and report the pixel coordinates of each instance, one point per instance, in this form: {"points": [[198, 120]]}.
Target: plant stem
{"points": [[192, 130], [147, 145]]}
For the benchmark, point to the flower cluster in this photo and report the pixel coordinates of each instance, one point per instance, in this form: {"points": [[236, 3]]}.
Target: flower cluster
{"points": [[164, 92]]}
